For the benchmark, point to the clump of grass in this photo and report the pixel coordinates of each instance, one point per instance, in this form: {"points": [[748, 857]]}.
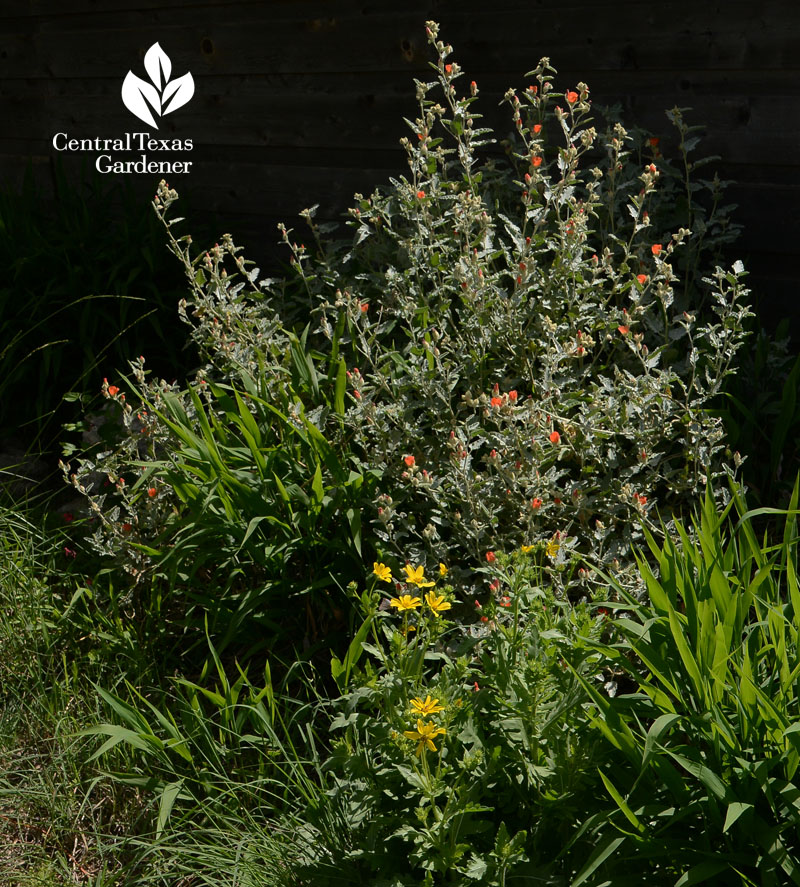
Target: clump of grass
{"points": [[58, 823]]}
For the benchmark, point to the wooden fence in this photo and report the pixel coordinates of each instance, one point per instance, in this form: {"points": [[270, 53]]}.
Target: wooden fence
{"points": [[302, 101]]}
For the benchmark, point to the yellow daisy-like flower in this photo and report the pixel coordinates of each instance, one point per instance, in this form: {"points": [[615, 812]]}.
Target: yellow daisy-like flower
{"points": [[414, 576], [424, 735], [526, 548], [406, 602], [552, 548], [383, 572], [437, 603], [428, 707], [443, 571]]}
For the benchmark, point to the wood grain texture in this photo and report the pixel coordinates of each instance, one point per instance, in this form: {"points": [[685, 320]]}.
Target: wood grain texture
{"points": [[302, 101]]}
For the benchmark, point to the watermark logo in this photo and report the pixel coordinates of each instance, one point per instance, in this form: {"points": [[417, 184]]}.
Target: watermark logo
{"points": [[149, 101]]}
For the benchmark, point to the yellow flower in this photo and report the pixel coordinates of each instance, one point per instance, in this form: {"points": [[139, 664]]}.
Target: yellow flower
{"points": [[552, 548], [437, 603], [382, 572], [443, 571], [424, 735], [428, 707], [414, 576], [526, 548], [406, 602]]}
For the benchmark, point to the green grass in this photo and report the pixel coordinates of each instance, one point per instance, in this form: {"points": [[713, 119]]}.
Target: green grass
{"points": [[55, 823]]}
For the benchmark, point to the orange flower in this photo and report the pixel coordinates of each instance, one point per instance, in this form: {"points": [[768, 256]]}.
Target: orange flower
{"points": [[623, 329], [572, 97], [151, 492], [512, 396], [112, 390], [409, 460], [537, 128], [497, 401], [555, 437], [491, 557], [420, 194], [364, 306], [536, 161], [536, 503], [653, 142], [448, 68], [642, 278], [655, 249]]}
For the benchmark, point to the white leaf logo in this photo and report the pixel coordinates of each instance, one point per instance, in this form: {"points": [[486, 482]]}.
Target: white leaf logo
{"points": [[157, 61], [150, 100]]}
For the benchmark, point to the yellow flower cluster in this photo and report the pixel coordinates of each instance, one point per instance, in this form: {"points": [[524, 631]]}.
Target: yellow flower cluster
{"points": [[425, 733], [414, 576]]}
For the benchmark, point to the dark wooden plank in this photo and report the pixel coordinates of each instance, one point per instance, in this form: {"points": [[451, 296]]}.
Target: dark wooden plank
{"points": [[243, 39], [282, 9]]}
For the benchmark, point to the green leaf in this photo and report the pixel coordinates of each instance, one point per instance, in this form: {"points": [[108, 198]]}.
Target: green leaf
{"points": [[600, 854], [707, 777], [168, 797], [475, 869], [354, 520], [656, 731], [735, 810], [316, 484], [701, 872], [341, 387], [622, 804], [340, 671]]}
